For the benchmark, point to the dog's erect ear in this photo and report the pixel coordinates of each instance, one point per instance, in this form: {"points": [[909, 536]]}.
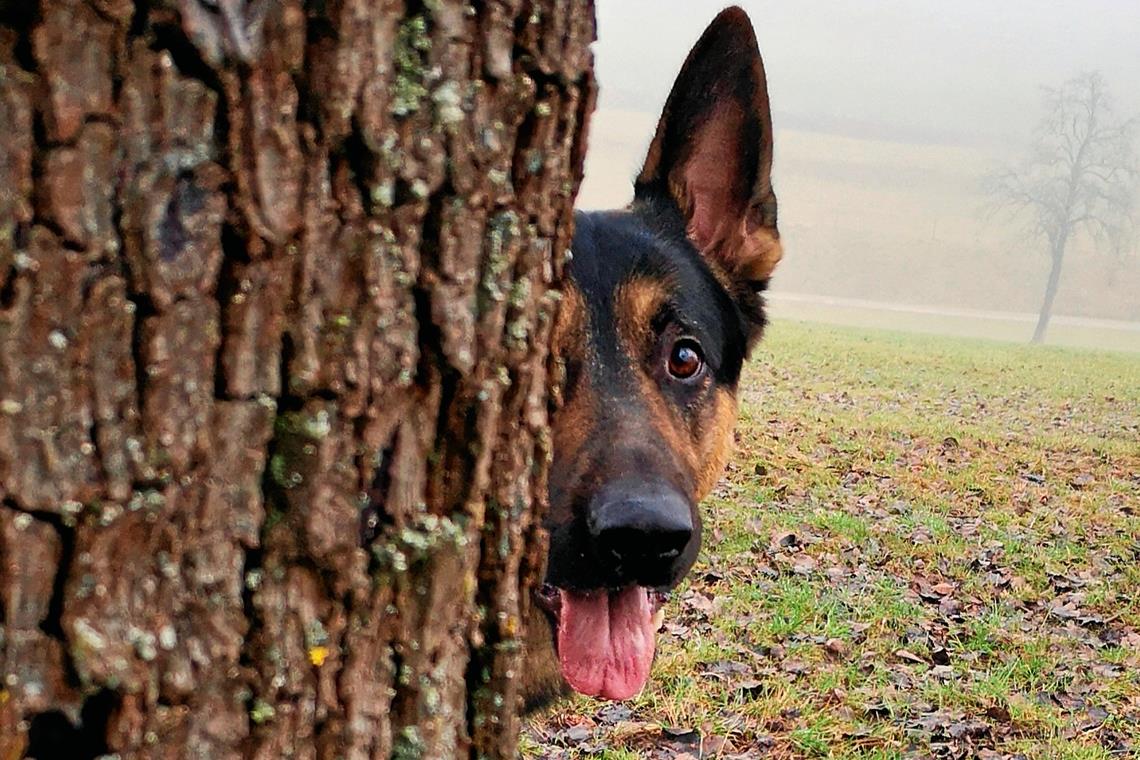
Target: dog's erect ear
{"points": [[712, 153]]}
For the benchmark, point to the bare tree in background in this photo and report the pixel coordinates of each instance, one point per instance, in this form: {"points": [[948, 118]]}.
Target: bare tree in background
{"points": [[276, 286], [1079, 178]]}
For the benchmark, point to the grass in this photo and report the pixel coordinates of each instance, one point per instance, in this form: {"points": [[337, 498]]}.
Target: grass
{"points": [[925, 546]]}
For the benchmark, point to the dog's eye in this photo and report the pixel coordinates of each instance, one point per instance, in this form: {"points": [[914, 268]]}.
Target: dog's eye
{"points": [[686, 360]]}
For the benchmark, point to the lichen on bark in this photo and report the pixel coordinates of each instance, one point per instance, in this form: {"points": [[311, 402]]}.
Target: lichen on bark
{"points": [[276, 286]]}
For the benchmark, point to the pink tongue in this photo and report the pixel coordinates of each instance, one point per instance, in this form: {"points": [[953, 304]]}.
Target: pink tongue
{"points": [[605, 641]]}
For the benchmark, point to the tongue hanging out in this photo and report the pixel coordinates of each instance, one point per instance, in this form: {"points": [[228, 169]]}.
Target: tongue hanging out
{"points": [[606, 640]]}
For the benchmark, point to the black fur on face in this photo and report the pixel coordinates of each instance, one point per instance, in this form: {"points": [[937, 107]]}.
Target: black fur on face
{"points": [[662, 307], [609, 386], [648, 242]]}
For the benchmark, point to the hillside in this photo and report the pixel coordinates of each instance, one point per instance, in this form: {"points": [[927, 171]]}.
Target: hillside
{"points": [[890, 221]]}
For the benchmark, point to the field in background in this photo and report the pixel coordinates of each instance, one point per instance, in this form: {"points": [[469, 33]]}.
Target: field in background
{"points": [[1078, 332], [925, 546], [889, 221]]}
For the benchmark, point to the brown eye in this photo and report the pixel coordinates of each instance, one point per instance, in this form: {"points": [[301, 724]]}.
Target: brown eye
{"points": [[686, 360]]}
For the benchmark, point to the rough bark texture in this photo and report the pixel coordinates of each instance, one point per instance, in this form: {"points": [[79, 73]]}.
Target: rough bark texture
{"points": [[275, 290]]}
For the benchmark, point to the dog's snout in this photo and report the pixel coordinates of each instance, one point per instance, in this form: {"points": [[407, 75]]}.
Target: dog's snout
{"points": [[641, 530]]}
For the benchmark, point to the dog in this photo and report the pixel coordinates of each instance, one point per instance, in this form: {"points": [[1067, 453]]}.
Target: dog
{"points": [[662, 307]]}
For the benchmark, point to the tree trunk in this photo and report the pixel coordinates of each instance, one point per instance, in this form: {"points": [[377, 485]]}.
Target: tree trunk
{"points": [[1057, 257], [276, 281]]}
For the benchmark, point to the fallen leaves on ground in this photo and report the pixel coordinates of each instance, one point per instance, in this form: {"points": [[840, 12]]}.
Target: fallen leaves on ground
{"points": [[924, 547]]}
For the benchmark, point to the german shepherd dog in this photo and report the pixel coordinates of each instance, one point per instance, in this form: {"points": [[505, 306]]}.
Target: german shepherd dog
{"points": [[661, 309]]}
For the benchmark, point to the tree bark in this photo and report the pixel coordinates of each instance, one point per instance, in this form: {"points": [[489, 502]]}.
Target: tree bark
{"points": [[1057, 257], [276, 283]]}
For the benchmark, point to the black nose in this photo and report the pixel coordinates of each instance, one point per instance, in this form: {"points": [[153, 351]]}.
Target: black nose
{"points": [[641, 530]]}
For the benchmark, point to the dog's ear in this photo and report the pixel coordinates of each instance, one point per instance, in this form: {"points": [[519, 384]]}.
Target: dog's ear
{"points": [[712, 154]]}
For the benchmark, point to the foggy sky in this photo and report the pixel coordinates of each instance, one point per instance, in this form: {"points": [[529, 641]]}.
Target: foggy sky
{"points": [[958, 72]]}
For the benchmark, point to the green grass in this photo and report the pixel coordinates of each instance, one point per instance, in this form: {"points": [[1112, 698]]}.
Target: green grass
{"points": [[963, 576]]}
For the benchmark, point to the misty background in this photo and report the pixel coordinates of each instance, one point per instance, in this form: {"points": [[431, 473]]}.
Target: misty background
{"points": [[888, 117]]}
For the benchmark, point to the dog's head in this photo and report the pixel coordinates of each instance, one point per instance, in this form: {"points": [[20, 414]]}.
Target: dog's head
{"points": [[662, 307]]}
